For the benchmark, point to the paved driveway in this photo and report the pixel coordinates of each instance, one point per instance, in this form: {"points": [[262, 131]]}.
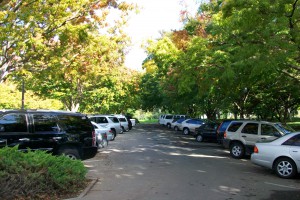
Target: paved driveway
{"points": [[153, 163]]}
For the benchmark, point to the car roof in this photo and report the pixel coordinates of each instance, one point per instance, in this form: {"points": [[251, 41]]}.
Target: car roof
{"points": [[40, 111]]}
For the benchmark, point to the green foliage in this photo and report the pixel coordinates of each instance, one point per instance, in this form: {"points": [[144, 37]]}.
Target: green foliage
{"points": [[38, 175], [11, 98], [234, 56], [67, 50]]}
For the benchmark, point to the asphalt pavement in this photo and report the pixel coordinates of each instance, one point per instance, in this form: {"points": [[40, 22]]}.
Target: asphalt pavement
{"points": [[151, 162]]}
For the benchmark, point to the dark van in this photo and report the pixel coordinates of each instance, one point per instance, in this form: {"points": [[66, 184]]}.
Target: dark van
{"points": [[58, 132]]}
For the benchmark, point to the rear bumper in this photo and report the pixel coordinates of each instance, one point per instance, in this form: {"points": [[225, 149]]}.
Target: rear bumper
{"points": [[89, 152]]}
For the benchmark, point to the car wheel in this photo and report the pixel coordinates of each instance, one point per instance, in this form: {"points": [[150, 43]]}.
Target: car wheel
{"points": [[186, 131], [285, 168], [123, 129], [199, 138], [71, 153], [237, 150], [114, 133], [176, 128], [169, 125]]}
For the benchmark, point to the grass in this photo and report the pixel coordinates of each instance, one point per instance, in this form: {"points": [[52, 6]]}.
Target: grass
{"points": [[148, 121]]}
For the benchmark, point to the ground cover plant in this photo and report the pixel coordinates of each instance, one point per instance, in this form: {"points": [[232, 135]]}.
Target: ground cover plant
{"points": [[39, 175]]}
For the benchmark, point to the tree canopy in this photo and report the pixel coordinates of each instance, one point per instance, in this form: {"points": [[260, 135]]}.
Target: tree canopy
{"points": [[240, 57]]}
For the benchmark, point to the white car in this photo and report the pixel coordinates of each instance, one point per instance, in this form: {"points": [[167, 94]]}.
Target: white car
{"points": [[281, 155], [108, 120], [124, 122]]}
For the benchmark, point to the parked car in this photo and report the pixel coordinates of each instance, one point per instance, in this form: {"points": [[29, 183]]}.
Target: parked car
{"points": [[240, 136], [188, 126], [161, 119], [167, 119], [58, 132], [207, 131], [109, 120], [221, 129], [124, 122], [176, 123], [101, 135], [281, 155], [129, 122], [133, 122]]}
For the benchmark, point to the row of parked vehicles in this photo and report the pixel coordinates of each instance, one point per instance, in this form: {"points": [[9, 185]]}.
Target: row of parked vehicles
{"points": [[269, 144], [75, 135]]}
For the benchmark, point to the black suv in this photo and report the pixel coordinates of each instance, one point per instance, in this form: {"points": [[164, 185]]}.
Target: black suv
{"points": [[59, 132]]}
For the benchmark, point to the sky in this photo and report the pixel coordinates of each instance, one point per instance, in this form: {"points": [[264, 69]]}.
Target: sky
{"points": [[154, 16]]}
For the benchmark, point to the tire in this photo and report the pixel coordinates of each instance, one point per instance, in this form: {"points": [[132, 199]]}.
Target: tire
{"points": [[169, 125], [71, 153], [176, 128], [237, 150], [199, 138], [285, 168], [186, 131], [114, 133], [113, 137]]}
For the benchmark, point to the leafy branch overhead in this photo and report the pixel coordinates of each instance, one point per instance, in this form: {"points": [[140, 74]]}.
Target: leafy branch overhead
{"points": [[63, 49]]}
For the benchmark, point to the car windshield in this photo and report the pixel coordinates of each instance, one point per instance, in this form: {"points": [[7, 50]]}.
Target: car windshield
{"points": [[284, 129]]}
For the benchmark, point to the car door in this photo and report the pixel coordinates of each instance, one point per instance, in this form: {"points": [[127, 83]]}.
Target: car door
{"points": [[210, 131], [249, 133], [268, 132], [46, 131], [14, 130], [295, 149]]}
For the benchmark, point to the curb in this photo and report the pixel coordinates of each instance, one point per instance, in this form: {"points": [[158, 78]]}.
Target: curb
{"points": [[86, 190]]}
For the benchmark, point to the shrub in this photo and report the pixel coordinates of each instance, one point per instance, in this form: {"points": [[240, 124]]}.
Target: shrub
{"points": [[38, 175]]}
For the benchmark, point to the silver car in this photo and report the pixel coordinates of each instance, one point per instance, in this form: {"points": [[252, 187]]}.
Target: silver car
{"points": [[109, 120], [101, 135], [281, 155], [188, 126]]}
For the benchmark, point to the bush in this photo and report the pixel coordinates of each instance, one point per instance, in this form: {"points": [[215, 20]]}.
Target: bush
{"points": [[38, 175]]}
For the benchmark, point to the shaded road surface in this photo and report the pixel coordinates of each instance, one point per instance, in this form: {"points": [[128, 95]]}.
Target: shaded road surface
{"points": [[153, 163]]}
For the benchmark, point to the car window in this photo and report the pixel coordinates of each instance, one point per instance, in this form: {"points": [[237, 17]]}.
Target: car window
{"points": [[234, 126], [13, 122], [45, 123], [285, 129], [224, 125], [169, 117], [293, 141], [73, 123], [101, 120], [250, 128], [122, 120], [269, 130], [114, 119]]}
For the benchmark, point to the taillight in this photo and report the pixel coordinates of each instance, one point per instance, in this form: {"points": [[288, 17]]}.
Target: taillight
{"points": [[255, 149], [94, 138], [225, 134]]}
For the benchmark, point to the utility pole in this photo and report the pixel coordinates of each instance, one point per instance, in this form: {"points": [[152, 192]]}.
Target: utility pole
{"points": [[23, 92]]}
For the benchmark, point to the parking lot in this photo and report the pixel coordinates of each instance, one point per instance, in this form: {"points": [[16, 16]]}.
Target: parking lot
{"points": [[153, 162]]}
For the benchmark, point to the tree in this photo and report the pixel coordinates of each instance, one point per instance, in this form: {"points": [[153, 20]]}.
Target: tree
{"points": [[62, 48]]}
